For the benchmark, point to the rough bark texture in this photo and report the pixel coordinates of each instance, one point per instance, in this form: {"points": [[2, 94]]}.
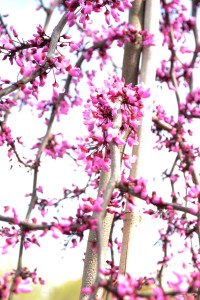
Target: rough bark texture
{"points": [[133, 251]]}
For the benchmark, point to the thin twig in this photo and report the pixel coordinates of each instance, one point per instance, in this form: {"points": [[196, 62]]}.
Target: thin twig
{"points": [[19, 267], [5, 27], [49, 12]]}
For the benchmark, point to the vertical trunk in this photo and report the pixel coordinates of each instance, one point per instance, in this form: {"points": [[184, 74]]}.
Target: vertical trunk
{"points": [[133, 246], [131, 74], [132, 51], [91, 258]]}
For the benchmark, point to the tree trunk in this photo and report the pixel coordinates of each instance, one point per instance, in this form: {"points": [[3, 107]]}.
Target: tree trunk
{"points": [[91, 257], [133, 250], [131, 74]]}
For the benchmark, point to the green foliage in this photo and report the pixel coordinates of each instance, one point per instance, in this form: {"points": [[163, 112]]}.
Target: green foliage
{"points": [[69, 290]]}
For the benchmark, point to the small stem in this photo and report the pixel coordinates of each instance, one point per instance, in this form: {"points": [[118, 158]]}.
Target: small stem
{"points": [[19, 267]]}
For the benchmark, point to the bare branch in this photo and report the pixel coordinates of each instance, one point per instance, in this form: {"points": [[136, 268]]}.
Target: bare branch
{"points": [[49, 12]]}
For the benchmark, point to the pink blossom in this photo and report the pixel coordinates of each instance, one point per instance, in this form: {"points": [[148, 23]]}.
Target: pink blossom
{"points": [[40, 189], [15, 216], [74, 243], [159, 293], [22, 285], [87, 290], [194, 192], [97, 206], [6, 42], [88, 8], [74, 72], [39, 57], [57, 233], [125, 285], [19, 62], [14, 32], [181, 284], [174, 178]]}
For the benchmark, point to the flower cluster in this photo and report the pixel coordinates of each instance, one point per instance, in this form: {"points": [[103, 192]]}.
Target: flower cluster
{"points": [[23, 282], [100, 113], [112, 8], [74, 226], [122, 33], [30, 56], [11, 236], [55, 148], [5, 135], [180, 23], [191, 107]]}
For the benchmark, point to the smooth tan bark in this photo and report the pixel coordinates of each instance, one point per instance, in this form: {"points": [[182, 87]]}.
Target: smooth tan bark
{"points": [[132, 259], [132, 51]]}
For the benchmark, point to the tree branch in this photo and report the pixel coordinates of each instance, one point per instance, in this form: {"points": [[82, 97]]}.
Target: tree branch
{"points": [[52, 48], [162, 205], [25, 224]]}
